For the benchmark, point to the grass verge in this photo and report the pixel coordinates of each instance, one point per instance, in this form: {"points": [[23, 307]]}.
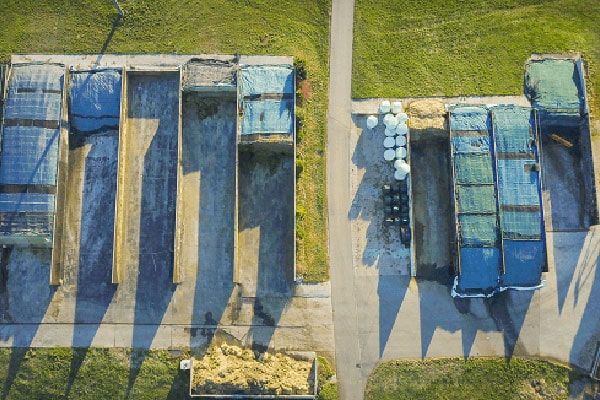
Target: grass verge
{"points": [[76, 373], [327, 388], [474, 378], [473, 47], [272, 27]]}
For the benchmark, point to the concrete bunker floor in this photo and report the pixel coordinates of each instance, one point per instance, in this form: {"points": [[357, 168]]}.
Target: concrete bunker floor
{"points": [[266, 222], [146, 309], [432, 208], [399, 316], [567, 195]]}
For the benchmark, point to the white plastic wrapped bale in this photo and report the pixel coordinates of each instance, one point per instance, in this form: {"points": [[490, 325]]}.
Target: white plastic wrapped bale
{"points": [[389, 155], [384, 107], [400, 153], [389, 142], [388, 120], [372, 122], [392, 122], [402, 165], [399, 175], [396, 107], [400, 140], [390, 132], [402, 117], [401, 129], [401, 169]]}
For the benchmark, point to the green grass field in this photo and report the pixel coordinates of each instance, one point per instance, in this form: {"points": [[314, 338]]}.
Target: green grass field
{"points": [[474, 378], [92, 374], [272, 27], [466, 47]]}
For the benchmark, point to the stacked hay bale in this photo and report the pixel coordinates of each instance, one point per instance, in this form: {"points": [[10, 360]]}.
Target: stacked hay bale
{"points": [[232, 370], [427, 118]]}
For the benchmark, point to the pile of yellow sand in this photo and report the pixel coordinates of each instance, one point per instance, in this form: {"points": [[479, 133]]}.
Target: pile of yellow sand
{"points": [[231, 369], [426, 114]]}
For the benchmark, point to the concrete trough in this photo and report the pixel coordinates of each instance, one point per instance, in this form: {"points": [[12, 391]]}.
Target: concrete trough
{"points": [[88, 213], [147, 173]]}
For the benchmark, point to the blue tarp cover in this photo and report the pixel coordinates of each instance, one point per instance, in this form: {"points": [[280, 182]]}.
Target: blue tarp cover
{"points": [[513, 129], [469, 118], [523, 261], [95, 100], [476, 199], [478, 229], [26, 202], [268, 116], [29, 155], [266, 79], [35, 92], [516, 184], [554, 84], [30, 149], [473, 168], [479, 268], [521, 224], [471, 144]]}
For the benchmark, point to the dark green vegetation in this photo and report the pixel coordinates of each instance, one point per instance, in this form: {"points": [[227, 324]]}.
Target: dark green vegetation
{"points": [[474, 378], [100, 374], [469, 47], [272, 27], [327, 390]]}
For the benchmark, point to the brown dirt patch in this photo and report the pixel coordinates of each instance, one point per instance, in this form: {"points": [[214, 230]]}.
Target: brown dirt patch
{"points": [[306, 90]]}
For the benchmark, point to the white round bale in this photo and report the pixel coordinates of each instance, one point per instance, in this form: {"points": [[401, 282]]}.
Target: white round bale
{"points": [[400, 140], [400, 153], [402, 166], [389, 155], [372, 122], [399, 175], [401, 129], [401, 116], [384, 107], [389, 142]]}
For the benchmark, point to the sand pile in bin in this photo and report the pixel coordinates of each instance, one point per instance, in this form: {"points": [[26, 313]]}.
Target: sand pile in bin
{"points": [[426, 115], [230, 369]]}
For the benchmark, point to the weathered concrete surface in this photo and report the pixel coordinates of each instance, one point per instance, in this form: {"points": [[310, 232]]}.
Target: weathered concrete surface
{"points": [[402, 317], [145, 309], [339, 124], [371, 240], [432, 208], [565, 191], [266, 222], [206, 206]]}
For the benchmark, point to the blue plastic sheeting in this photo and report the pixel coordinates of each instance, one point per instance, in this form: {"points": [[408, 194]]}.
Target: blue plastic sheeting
{"points": [[95, 100], [268, 116], [478, 230], [553, 84], [476, 199], [266, 79], [471, 144], [513, 130], [479, 269], [473, 168], [516, 185], [26, 202], [467, 118], [29, 155], [35, 92], [523, 262], [27, 224], [521, 224]]}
